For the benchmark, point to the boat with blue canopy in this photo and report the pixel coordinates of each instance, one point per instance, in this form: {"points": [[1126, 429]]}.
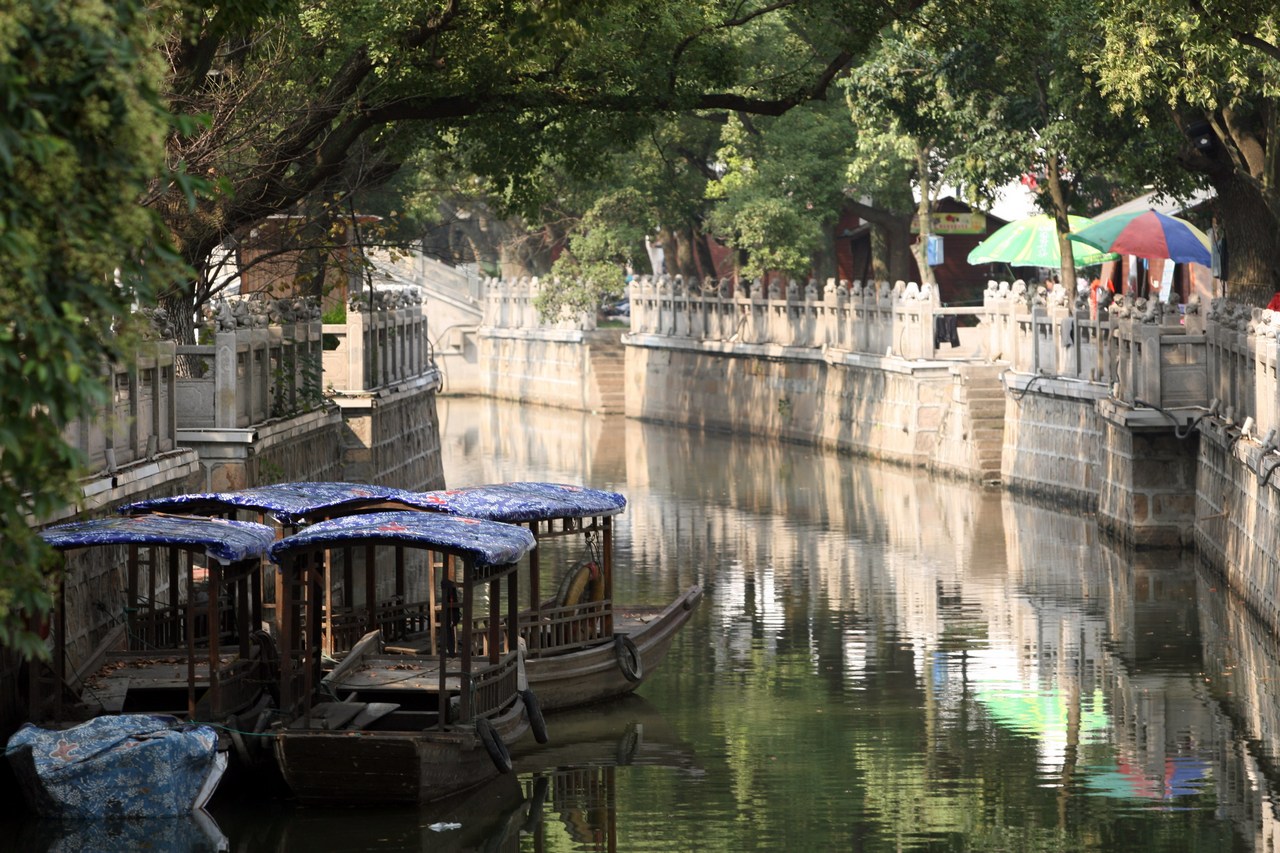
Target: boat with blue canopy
{"points": [[179, 637], [400, 726], [582, 645], [289, 507], [182, 628]]}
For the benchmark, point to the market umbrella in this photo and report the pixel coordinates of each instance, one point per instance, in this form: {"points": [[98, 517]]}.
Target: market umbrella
{"points": [[1033, 242], [1147, 234]]}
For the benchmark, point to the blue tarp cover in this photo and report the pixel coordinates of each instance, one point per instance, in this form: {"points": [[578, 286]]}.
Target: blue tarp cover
{"points": [[131, 765], [522, 502], [228, 541], [487, 542], [291, 503]]}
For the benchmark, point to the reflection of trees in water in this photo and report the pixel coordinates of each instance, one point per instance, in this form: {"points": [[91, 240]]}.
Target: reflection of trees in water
{"points": [[914, 659]]}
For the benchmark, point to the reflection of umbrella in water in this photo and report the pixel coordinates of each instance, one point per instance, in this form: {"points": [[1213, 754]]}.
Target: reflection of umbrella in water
{"points": [[1184, 776], [1147, 234], [1041, 714], [1033, 242]]}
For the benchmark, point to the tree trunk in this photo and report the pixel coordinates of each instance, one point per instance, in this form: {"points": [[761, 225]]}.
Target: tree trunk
{"points": [[923, 210], [702, 254], [686, 255], [824, 259], [1067, 265], [1253, 242]]}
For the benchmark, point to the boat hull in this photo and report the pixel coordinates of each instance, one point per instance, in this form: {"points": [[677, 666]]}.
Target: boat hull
{"points": [[595, 674], [390, 767]]}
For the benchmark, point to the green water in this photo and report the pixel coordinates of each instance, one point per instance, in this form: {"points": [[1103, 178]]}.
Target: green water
{"points": [[882, 661]]}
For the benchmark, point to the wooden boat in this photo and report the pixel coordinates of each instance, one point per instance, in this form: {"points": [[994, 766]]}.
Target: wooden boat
{"points": [[188, 639], [287, 507], [582, 646], [386, 726], [188, 647]]}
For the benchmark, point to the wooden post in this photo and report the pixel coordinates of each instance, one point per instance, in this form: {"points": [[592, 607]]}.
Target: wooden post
{"points": [[214, 596], [188, 612], [370, 587]]}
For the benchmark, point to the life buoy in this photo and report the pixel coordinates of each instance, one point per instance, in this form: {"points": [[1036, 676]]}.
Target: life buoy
{"points": [[584, 582], [533, 711], [493, 745], [628, 658]]}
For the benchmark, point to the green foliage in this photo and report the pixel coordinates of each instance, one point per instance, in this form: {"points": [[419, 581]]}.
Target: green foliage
{"points": [[81, 138], [780, 190]]}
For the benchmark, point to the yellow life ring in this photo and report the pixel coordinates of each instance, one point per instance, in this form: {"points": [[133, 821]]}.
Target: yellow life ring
{"points": [[585, 582]]}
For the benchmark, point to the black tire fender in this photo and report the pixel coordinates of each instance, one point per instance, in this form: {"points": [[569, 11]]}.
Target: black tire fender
{"points": [[629, 660], [533, 710], [493, 745]]}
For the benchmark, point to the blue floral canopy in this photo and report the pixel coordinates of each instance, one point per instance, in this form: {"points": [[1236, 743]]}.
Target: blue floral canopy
{"points": [[290, 503], [228, 541], [515, 503], [488, 543]]}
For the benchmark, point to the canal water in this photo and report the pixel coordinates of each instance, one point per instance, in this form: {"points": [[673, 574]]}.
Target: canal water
{"points": [[882, 661]]}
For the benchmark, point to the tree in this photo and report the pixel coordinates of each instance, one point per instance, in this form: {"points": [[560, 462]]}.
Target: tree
{"points": [[81, 140], [1212, 68], [991, 91], [294, 91], [782, 189]]}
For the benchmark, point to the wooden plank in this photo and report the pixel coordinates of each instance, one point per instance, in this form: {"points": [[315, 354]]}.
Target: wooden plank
{"points": [[329, 716], [373, 711], [110, 692], [368, 644]]}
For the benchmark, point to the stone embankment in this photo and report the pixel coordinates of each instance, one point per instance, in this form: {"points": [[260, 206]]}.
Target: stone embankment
{"points": [[1161, 419]]}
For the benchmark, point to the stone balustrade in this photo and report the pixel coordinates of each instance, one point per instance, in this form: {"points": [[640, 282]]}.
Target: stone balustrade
{"points": [[1241, 343], [139, 420], [263, 363], [1146, 353], [512, 304], [379, 348]]}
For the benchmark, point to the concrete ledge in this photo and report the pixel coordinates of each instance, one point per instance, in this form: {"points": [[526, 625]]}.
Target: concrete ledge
{"points": [[130, 482], [1146, 418], [1052, 386], [567, 336]]}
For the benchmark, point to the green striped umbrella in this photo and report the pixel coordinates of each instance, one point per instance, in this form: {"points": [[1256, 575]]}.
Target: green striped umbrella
{"points": [[1033, 242]]}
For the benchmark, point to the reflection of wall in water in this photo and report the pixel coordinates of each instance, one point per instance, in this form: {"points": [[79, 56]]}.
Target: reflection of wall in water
{"points": [[1242, 670], [504, 442]]}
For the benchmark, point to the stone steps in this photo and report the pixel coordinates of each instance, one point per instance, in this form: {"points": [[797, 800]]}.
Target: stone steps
{"points": [[608, 366]]}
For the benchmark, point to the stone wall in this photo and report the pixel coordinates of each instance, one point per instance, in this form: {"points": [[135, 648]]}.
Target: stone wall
{"points": [[393, 440], [569, 368], [883, 408], [1237, 516], [1053, 439]]}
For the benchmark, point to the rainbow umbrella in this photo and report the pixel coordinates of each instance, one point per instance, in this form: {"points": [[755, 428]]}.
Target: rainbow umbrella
{"points": [[1148, 234], [1033, 242]]}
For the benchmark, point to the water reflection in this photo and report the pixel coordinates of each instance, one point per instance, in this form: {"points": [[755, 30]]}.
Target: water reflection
{"points": [[885, 661], [891, 660], [488, 818], [197, 833]]}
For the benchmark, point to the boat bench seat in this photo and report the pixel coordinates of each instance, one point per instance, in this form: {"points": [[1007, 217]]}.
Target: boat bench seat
{"points": [[331, 716]]}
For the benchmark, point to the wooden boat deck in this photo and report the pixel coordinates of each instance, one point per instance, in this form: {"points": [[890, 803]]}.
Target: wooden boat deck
{"points": [[137, 681], [394, 672]]}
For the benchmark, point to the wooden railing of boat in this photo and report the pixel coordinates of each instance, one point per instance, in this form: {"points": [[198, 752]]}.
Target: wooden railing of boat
{"points": [[555, 629]]}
